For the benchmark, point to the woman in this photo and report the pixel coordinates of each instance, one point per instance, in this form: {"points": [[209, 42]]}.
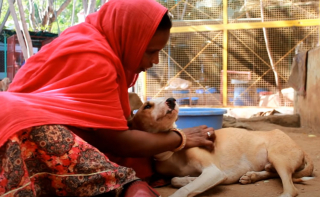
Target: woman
{"points": [[69, 103]]}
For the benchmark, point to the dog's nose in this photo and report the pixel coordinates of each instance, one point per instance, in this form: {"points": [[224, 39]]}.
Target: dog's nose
{"points": [[171, 102]]}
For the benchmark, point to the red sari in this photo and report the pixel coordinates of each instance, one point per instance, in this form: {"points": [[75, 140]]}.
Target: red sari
{"points": [[80, 79]]}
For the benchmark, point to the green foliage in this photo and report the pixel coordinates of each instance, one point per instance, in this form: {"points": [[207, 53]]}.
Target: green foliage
{"points": [[64, 19], [62, 22], [5, 6]]}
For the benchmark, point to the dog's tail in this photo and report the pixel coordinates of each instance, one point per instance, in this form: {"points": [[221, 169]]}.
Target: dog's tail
{"points": [[302, 179], [304, 173]]}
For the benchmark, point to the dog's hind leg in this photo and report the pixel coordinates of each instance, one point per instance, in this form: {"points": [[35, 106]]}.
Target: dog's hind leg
{"points": [[285, 167], [289, 190], [209, 177], [286, 157], [252, 176]]}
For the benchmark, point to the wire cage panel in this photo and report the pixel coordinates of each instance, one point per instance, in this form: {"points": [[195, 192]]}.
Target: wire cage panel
{"points": [[196, 58], [248, 51], [258, 61], [250, 11], [192, 10]]}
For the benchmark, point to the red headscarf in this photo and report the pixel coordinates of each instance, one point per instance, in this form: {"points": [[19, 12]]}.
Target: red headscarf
{"points": [[82, 77]]}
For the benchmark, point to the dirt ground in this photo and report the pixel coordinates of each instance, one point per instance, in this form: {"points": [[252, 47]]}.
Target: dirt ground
{"points": [[310, 142]]}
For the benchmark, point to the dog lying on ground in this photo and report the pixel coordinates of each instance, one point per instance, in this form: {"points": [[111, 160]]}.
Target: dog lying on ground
{"points": [[238, 155], [4, 84]]}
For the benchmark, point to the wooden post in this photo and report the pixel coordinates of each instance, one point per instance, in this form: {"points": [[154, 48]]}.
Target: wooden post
{"points": [[225, 54], [25, 30], [18, 30]]}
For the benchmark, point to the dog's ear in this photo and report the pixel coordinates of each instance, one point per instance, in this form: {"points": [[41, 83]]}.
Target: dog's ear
{"points": [[135, 101]]}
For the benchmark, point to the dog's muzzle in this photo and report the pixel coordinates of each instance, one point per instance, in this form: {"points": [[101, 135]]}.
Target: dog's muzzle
{"points": [[171, 102]]}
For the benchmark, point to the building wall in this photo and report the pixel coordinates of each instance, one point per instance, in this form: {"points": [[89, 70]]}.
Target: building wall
{"points": [[309, 106]]}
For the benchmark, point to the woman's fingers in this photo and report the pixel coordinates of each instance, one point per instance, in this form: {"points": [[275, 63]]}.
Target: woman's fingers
{"points": [[203, 126], [210, 134], [210, 137], [201, 136]]}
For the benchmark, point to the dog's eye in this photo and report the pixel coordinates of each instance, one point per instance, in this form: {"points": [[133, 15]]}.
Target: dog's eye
{"points": [[148, 106]]}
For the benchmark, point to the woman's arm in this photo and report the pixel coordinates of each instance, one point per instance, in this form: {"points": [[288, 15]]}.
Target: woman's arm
{"points": [[135, 143], [130, 143]]}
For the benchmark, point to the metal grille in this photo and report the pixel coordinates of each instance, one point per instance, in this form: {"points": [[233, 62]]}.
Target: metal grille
{"points": [[196, 55]]}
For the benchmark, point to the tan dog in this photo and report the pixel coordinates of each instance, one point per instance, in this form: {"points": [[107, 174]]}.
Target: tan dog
{"points": [[4, 84], [239, 155]]}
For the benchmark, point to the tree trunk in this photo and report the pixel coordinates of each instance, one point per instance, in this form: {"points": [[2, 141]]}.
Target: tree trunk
{"points": [[40, 12], [32, 16], [102, 2], [54, 14], [62, 7], [18, 30], [51, 15], [1, 1], [91, 7], [46, 14], [73, 11], [85, 7]]}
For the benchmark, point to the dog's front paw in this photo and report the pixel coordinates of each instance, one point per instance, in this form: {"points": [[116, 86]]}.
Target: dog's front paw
{"points": [[181, 181], [182, 192], [249, 177]]}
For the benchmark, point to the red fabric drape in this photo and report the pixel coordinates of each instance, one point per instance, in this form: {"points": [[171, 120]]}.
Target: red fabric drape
{"points": [[82, 77]]}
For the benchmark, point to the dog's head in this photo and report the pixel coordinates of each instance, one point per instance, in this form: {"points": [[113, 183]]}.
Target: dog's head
{"points": [[4, 84], [158, 115]]}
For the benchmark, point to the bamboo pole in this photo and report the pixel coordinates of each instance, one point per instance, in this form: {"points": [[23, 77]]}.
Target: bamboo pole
{"points": [[225, 55], [144, 86], [266, 39], [25, 30], [18, 30], [249, 25]]}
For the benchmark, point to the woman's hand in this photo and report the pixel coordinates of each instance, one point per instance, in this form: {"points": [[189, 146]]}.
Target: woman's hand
{"points": [[200, 136]]}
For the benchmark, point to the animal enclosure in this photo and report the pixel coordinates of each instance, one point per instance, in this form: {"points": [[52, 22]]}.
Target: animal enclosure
{"points": [[231, 53]]}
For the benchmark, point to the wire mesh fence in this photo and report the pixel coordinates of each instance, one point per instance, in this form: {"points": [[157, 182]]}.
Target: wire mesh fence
{"points": [[259, 59]]}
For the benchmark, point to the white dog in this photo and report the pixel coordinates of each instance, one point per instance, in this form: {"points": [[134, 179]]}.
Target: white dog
{"points": [[238, 155]]}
